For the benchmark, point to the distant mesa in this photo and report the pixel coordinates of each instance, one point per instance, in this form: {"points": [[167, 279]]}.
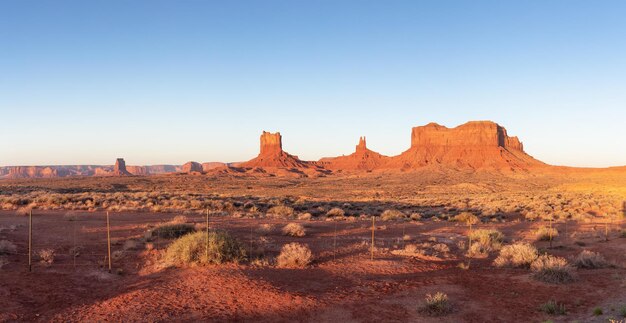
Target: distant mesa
{"points": [[192, 167], [473, 145], [272, 155], [120, 168]]}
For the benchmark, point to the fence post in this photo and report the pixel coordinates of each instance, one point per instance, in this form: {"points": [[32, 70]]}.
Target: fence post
{"points": [[372, 247], [30, 241], [207, 236], [109, 241], [335, 243]]}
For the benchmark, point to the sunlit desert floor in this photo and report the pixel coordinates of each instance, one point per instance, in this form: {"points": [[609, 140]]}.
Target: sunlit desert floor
{"points": [[343, 283]]}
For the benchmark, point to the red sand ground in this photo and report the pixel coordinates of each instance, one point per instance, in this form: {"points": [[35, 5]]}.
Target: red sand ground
{"points": [[342, 285]]}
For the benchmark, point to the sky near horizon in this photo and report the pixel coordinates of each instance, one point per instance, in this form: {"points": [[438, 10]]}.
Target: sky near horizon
{"points": [[165, 82]]}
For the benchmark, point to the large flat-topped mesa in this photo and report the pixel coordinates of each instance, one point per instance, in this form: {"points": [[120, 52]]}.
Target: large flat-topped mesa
{"points": [[473, 133], [474, 145]]}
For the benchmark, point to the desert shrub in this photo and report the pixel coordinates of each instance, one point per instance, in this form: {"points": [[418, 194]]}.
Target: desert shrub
{"points": [[590, 260], [415, 216], [294, 229], [598, 311], [544, 233], [553, 308], [264, 229], [179, 219], [551, 269], [171, 231], [436, 305], [192, 249], [335, 212], [441, 247], [406, 237], [294, 255], [46, 256], [7, 247], [622, 311], [24, 210], [467, 218], [280, 211], [516, 255], [484, 241], [391, 214]]}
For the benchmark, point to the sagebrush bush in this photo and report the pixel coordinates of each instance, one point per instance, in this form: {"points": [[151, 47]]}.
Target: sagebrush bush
{"points": [[335, 212], [294, 255], [436, 305], [590, 260], [46, 256], [553, 308], [392, 214], [24, 210], [516, 255], [467, 218], [171, 231], [546, 233], [551, 269], [294, 229], [7, 247], [484, 241], [280, 211], [192, 249]]}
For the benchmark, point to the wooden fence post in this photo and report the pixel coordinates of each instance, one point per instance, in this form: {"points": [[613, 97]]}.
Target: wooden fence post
{"points": [[30, 241], [109, 241]]}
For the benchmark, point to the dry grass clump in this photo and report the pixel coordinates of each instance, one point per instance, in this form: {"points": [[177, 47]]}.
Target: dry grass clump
{"points": [[516, 255], [24, 210], [294, 255], [484, 241], [590, 260], [171, 231], [551, 269], [7, 247], [280, 211], [335, 212], [294, 230], [392, 214], [179, 219], [546, 233], [264, 229], [46, 256], [192, 249], [436, 305], [553, 308], [410, 250]]}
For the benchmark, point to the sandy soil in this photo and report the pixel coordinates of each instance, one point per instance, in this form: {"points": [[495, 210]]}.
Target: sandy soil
{"points": [[342, 285]]}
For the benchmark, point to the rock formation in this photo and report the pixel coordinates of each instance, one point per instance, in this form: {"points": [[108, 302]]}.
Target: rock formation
{"points": [[272, 154], [361, 159], [474, 145], [212, 165], [192, 167], [120, 168]]}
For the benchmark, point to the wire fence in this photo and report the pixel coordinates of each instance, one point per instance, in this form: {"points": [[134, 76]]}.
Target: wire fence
{"points": [[105, 241]]}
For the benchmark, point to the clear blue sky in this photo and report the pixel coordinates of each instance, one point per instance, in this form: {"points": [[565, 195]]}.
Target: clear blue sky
{"points": [[84, 82]]}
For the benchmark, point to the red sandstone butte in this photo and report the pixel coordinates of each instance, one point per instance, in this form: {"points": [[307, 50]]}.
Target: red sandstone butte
{"points": [[272, 154], [361, 159], [192, 167], [120, 168]]}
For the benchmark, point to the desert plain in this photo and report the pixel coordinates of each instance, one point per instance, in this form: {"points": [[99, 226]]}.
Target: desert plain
{"points": [[467, 228]]}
